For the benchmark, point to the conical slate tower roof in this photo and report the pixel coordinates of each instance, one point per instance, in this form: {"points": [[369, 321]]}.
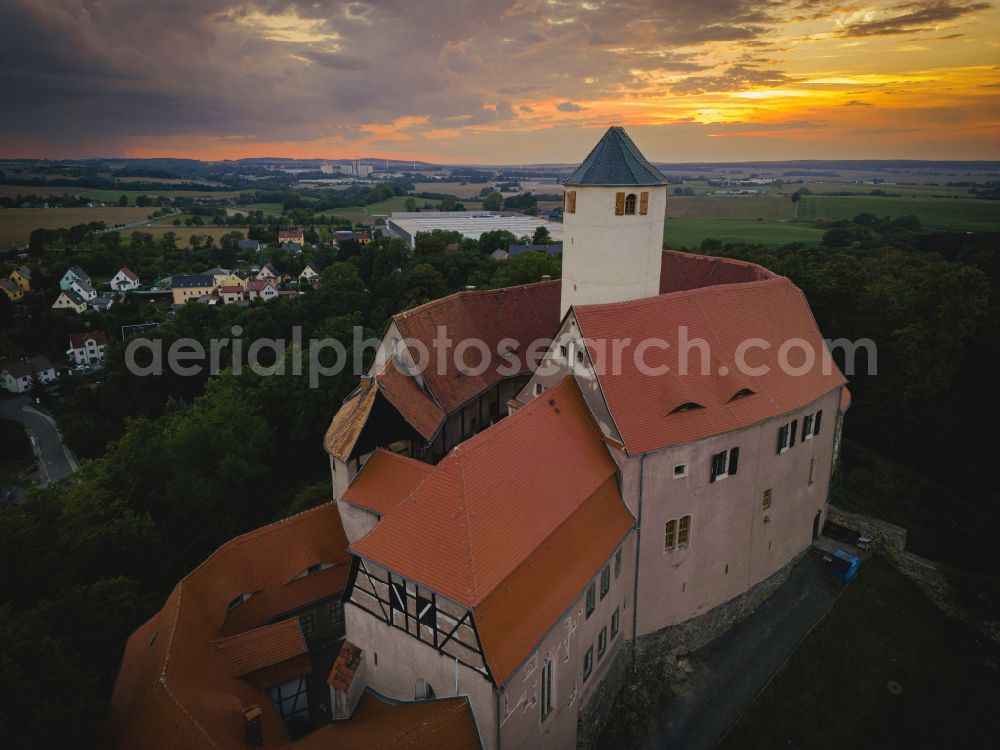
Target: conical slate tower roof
{"points": [[615, 160]]}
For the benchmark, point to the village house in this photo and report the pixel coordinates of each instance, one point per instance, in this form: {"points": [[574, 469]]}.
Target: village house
{"points": [[267, 271], [21, 276], [73, 274], [70, 300], [309, 273], [87, 348], [12, 289], [265, 289], [231, 294], [125, 280], [18, 376], [102, 302], [287, 236], [253, 245], [83, 288], [511, 540], [191, 286]]}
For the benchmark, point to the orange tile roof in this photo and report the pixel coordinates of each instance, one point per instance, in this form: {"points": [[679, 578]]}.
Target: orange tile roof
{"points": [[345, 667], [494, 499], [443, 724], [386, 480], [179, 684], [401, 390], [525, 313], [515, 617], [725, 316], [262, 647], [79, 340]]}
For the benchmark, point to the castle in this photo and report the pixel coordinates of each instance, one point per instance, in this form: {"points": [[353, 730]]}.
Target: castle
{"points": [[655, 444]]}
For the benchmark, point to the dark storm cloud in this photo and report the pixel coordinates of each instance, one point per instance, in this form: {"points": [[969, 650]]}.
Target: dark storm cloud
{"points": [[568, 107]]}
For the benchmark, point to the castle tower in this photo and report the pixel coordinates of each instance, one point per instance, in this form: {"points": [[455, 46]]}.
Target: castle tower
{"points": [[613, 211]]}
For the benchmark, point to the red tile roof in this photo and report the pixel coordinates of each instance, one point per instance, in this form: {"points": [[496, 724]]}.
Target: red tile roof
{"points": [[725, 316], [515, 617], [494, 499], [79, 340], [401, 390], [290, 233], [129, 273], [231, 289], [179, 683], [262, 647], [683, 271], [386, 480], [525, 313]]}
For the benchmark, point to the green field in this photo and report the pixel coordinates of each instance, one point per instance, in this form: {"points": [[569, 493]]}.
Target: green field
{"points": [[942, 213], [746, 207], [833, 692], [689, 233], [269, 209], [927, 191]]}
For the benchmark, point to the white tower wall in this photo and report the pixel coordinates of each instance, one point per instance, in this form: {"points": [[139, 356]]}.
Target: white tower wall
{"points": [[611, 258]]}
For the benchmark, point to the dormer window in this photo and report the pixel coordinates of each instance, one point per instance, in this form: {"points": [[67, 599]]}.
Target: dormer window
{"points": [[237, 601], [630, 204], [686, 406], [741, 393]]}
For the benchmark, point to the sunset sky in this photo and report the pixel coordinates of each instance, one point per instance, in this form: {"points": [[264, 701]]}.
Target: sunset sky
{"points": [[500, 82]]}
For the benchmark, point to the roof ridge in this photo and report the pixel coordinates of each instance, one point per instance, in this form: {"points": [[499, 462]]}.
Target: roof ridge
{"points": [[603, 307], [467, 540]]}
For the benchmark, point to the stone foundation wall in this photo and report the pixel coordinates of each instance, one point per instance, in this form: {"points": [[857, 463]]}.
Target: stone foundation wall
{"points": [[887, 537], [592, 716], [695, 633]]}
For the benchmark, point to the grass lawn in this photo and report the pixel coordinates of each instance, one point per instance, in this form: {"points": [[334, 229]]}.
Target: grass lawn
{"points": [[966, 214], [269, 209], [689, 233], [17, 224], [833, 691]]}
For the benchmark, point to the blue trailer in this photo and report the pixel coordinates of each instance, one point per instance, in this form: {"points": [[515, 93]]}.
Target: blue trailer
{"points": [[844, 565]]}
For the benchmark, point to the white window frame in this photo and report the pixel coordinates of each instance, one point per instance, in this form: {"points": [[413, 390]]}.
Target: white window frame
{"points": [[684, 471]]}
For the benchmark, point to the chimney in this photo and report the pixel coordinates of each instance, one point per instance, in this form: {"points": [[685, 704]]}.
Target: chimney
{"points": [[253, 732]]}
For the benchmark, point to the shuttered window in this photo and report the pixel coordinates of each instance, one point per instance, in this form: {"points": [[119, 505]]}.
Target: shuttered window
{"points": [[734, 460], [571, 201], [816, 422], [643, 204], [791, 439], [619, 204], [630, 204], [591, 600], [718, 465]]}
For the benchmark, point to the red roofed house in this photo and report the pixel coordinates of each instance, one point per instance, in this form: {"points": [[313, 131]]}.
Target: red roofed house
{"points": [[286, 236], [87, 348], [265, 289], [125, 280], [518, 533], [230, 294]]}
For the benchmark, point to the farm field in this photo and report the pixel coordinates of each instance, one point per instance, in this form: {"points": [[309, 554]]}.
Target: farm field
{"points": [[926, 191], [457, 189], [269, 209], [17, 224], [746, 207], [383, 208], [942, 213], [689, 233]]}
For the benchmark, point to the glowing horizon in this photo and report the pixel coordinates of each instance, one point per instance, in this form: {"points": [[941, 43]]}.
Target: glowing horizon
{"points": [[523, 82]]}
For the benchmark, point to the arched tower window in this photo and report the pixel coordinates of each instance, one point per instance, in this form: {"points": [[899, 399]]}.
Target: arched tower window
{"points": [[630, 204]]}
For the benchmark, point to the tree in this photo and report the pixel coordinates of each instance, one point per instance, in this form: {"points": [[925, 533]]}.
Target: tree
{"points": [[123, 200], [541, 236], [411, 203], [493, 201]]}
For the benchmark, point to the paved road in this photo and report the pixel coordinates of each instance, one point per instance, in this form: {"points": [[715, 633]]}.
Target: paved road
{"points": [[55, 458], [728, 674]]}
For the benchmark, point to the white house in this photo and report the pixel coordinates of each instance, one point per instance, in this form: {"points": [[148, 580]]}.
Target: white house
{"points": [[125, 280], [16, 377], [267, 271], [84, 289], [73, 274], [87, 348], [265, 289], [70, 300], [309, 273]]}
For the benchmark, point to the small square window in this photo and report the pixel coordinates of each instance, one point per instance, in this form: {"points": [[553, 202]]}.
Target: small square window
{"points": [[680, 471], [591, 600]]}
